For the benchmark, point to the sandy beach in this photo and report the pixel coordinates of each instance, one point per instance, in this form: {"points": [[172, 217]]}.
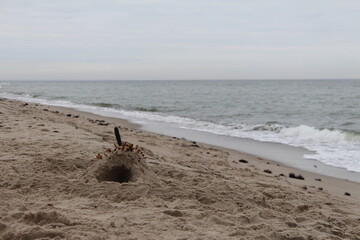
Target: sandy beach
{"points": [[58, 180]]}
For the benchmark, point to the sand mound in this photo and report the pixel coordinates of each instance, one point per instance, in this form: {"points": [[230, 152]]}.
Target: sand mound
{"points": [[122, 167]]}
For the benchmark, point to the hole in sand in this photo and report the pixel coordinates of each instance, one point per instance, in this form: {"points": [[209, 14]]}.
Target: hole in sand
{"points": [[116, 174]]}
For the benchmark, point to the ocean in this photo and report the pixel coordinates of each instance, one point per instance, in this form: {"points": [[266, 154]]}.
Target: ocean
{"points": [[322, 116]]}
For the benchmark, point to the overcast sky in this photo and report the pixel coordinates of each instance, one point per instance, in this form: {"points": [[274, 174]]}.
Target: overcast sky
{"points": [[183, 39]]}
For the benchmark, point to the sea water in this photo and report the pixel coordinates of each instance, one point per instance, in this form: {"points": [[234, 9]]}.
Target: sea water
{"points": [[322, 116]]}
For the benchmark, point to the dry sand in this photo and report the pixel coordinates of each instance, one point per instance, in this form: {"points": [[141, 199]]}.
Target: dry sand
{"points": [[52, 186]]}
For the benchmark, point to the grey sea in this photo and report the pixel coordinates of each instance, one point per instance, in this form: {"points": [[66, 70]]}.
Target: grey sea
{"points": [[320, 117]]}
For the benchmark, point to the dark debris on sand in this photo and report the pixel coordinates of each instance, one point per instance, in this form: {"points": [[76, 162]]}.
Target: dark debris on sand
{"points": [[293, 175]]}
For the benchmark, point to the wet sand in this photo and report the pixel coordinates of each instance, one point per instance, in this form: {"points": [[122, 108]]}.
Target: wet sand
{"points": [[52, 185]]}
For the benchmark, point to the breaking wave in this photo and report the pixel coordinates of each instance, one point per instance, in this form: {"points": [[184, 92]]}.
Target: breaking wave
{"points": [[304, 132]]}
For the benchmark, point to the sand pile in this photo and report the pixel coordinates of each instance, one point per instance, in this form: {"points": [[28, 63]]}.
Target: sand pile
{"points": [[122, 166]]}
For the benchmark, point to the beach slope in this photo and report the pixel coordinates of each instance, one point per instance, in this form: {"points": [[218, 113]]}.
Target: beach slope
{"points": [[56, 182]]}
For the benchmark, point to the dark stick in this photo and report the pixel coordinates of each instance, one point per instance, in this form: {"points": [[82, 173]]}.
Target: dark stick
{"points": [[117, 135]]}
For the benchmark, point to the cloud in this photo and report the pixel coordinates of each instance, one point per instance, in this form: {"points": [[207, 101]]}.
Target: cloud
{"points": [[161, 39]]}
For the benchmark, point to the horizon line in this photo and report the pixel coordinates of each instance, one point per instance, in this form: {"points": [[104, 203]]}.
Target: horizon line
{"points": [[264, 79]]}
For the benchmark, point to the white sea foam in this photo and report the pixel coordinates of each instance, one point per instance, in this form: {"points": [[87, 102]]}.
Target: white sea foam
{"points": [[304, 132], [332, 147]]}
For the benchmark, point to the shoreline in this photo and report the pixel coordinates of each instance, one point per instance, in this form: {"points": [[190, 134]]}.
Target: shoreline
{"points": [[256, 161], [48, 154], [282, 153], [278, 153]]}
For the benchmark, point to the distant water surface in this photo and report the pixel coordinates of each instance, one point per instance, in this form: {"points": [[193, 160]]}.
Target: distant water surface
{"points": [[319, 115]]}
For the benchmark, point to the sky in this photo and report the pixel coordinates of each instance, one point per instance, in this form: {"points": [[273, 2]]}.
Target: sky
{"points": [[182, 39]]}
